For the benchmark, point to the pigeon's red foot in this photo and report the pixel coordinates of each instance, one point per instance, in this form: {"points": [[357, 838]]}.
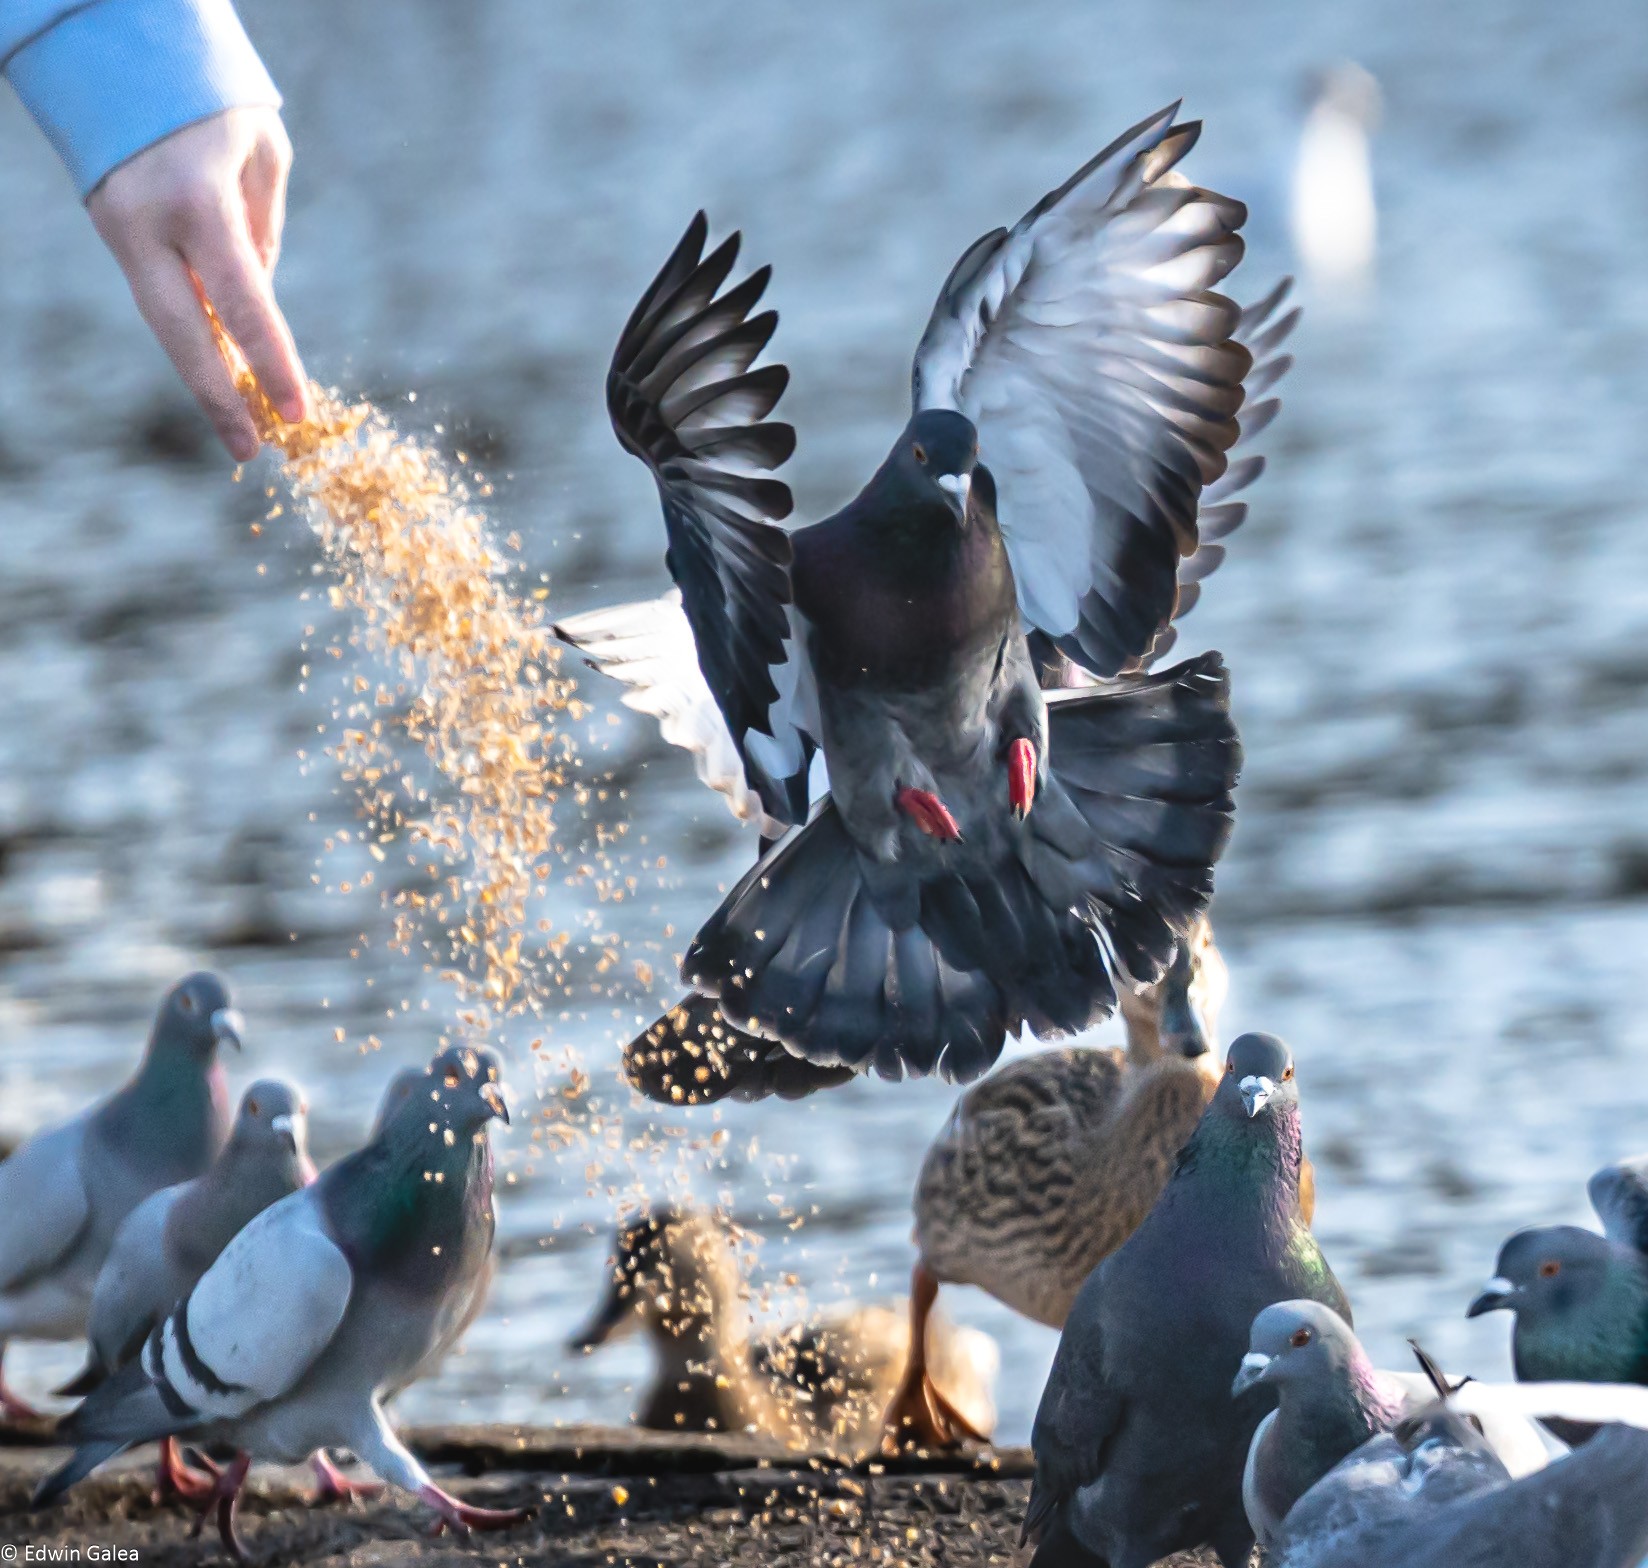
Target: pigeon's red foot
{"points": [[174, 1478], [929, 813], [333, 1486], [1021, 777], [461, 1518], [223, 1497]]}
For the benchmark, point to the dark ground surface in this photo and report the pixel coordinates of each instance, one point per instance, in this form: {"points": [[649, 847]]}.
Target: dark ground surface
{"points": [[603, 1498]]}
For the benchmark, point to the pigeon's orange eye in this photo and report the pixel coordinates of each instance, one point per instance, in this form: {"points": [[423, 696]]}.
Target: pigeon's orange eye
{"points": [[186, 1002], [1549, 1269], [1300, 1338], [1230, 1067], [919, 452], [251, 1108], [1287, 1075]]}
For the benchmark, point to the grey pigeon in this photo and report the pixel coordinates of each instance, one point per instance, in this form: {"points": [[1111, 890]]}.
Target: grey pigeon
{"points": [[1329, 1401], [986, 859], [1619, 1194], [1581, 1305], [328, 1299], [1139, 1446], [65, 1192], [1432, 1495]]}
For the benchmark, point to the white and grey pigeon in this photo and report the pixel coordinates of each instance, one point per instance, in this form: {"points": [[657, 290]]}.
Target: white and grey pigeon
{"points": [[329, 1299], [65, 1192], [1432, 1494], [984, 860], [170, 1239], [1330, 1399]]}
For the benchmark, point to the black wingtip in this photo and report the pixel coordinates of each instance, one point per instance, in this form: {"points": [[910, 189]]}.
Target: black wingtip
{"points": [[1437, 1377], [89, 1377]]}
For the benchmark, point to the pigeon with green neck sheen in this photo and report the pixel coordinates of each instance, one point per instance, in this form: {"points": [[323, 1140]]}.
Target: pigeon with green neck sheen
{"points": [[329, 1299], [1330, 1399], [1581, 1306], [1138, 1444], [66, 1191]]}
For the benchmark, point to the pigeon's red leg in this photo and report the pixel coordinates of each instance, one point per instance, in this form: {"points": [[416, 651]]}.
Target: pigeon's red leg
{"points": [[464, 1517], [929, 813], [174, 1478], [332, 1485], [222, 1499], [1021, 777]]}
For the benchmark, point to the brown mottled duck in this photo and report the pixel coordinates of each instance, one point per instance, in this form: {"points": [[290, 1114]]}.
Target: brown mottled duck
{"points": [[820, 1384], [1046, 1166]]}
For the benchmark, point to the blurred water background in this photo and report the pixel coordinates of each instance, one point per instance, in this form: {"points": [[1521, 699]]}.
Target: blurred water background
{"points": [[1436, 616]]}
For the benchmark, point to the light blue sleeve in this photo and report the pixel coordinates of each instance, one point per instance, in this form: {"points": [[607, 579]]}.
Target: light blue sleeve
{"points": [[106, 79]]}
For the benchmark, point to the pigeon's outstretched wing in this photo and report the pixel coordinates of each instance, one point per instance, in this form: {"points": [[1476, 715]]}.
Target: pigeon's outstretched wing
{"points": [[1104, 376], [44, 1206], [1619, 1194], [649, 648], [684, 399]]}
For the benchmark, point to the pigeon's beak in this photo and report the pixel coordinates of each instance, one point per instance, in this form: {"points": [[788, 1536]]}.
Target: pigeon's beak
{"points": [[1257, 1093], [613, 1319], [1497, 1294], [284, 1129], [492, 1094], [957, 488], [1255, 1369], [228, 1026]]}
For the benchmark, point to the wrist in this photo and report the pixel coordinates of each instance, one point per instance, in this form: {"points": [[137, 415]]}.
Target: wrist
{"points": [[116, 76]]}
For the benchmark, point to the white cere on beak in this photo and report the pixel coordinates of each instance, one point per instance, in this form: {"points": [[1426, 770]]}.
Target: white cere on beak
{"points": [[281, 1124], [1255, 1361], [1256, 1093], [958, 485], [1499, 1286]]}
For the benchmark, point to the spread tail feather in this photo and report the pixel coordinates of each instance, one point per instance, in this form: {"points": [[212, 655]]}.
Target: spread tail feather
{"points": [[995, 937], [693, 1056]]}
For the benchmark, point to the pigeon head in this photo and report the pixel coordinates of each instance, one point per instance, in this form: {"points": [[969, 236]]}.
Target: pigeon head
{"points": [[674, 1273], [1299, 1343], [1258, 1078], [196, 1018], [273, 1115], [1549, 1271], [932, 464], [466, 1087]]}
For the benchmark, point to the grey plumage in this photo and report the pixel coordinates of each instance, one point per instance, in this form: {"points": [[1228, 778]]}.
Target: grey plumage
{"points": [[1619, 1194], [65, 1192], [1432, 1495], [170, 1239], [1331, 1400], [1139, 1446], [979, 856], [327, 1299]]}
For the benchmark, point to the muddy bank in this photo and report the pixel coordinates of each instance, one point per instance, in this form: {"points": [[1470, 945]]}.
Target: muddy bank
{"points": [[601, 1496]]}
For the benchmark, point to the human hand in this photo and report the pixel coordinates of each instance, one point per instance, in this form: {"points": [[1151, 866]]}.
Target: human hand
{"points": [[210, 200]]}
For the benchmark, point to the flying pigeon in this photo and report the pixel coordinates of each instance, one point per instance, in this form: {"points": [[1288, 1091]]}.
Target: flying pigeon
{"points": [[65, 1192], [325, 1301], [1432, 1494], [985, 858], [1329, 1401], [1581, 1306], [1138, 1443]]}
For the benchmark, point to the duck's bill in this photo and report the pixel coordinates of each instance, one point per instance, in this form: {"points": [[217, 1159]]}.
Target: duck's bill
{"points": [[614, 1318]]}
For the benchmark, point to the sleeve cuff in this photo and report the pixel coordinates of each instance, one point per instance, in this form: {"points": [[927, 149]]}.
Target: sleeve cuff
{"points": [[117, 76]]}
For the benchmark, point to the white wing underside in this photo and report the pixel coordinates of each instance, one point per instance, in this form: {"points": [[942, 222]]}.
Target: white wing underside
{"points": [[262, 1313], [648, 647]]}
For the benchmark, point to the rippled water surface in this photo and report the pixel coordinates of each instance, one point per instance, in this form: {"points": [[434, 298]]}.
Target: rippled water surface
{"points": [[1436, 618]]}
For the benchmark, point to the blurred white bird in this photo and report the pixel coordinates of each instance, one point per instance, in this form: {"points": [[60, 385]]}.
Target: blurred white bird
{"points": [[1332, 211]]}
